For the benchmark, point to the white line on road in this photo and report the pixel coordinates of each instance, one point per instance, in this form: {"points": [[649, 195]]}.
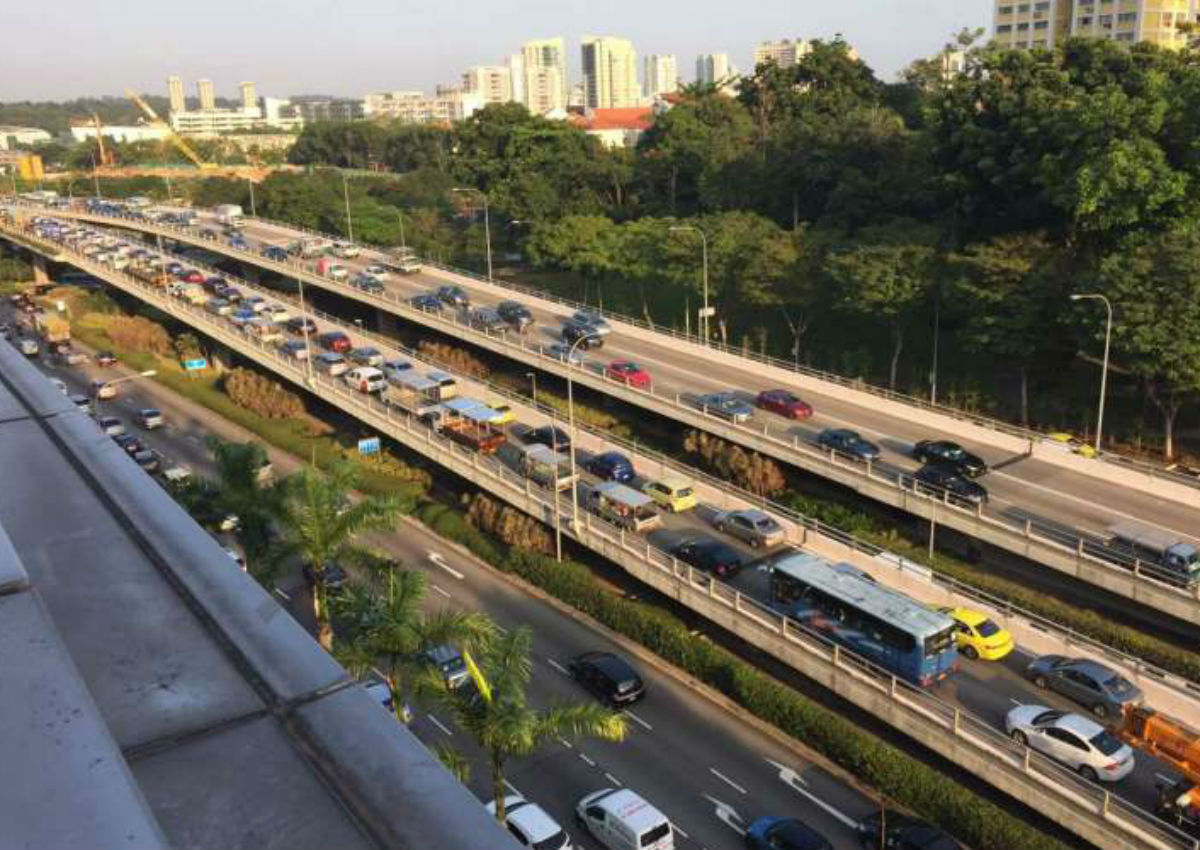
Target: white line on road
{"points": [[512, 788], [1015, 701], [438, 724], [282, 595], [1162, 777], [565, 743], [638, 720], [613, 779], [675, 827], [817, 801], [558, 667], [440, 590], [726, 780], [590, 762], [441, 562]]}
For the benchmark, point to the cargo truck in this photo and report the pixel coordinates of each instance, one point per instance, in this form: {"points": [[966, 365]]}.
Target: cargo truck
{"points": [[53, 328], [1174, 560], [623, 506], [229, 215]]}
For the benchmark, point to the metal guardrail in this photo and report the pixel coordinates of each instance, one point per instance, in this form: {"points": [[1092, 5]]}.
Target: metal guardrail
{"points": [[1090, 811], [1068, 551], [1189, 688]]}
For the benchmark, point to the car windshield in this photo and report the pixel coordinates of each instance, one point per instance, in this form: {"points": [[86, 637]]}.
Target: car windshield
{"points": [[683, 492], [1118, 684], [765, 524], [1048, 717], [987, 628], [1105, 743], [953, 452]]}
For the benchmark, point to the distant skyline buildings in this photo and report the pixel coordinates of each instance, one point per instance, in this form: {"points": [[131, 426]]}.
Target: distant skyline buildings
{"points": [[610, 78], [175, 94], [713, 68], [204, 88], [660, 74]]}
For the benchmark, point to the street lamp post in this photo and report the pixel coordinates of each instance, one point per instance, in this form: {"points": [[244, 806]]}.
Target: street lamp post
{"points": [[95, 174], [706, 311], [400, 220], [487, 224], [253, 208], [308, 354], [532, 376], [1104, 369], [346, 197], [571, 430]]}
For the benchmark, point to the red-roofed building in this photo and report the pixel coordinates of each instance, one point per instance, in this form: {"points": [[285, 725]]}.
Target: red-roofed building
{"points": [[618, 127]]}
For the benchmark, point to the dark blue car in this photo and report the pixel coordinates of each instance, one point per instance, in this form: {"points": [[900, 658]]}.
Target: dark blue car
{"points": [[847, 442], [775, 833], [274, 252], [611, 466]]}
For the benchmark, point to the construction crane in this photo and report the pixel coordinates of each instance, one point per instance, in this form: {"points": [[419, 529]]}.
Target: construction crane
{"points": [[1177, 745], [106, 155], [155, 121]]}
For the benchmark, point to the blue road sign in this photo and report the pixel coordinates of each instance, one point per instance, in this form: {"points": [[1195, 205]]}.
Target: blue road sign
{"points": [[195, 365], [369, 446]]}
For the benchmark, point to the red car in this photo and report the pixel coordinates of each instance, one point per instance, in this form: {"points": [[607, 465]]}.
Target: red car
{"points": [[628, 373], [335, 341], [784, 403], [194, 277]]}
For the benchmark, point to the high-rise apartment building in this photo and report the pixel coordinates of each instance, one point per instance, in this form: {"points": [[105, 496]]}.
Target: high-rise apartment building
{"points": [[538, 56], [610, 73], [175, 94], [712, 68], [784, 53], [204, 88], [414, 107], [249, 96], [1045, 23], [493, 83], [660, 74]]}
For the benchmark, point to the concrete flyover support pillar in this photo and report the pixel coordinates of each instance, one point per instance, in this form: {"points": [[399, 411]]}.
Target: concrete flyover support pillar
{"points": [[385, 322], [40, 275]]}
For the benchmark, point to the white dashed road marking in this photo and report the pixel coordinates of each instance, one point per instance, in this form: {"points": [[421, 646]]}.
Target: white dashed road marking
{"points": [[727, 780]]}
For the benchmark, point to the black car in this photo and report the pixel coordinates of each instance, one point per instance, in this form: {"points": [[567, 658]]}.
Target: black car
{"points": [[942, 481], [610, 677], [848, 442], [550, 436], [573, 333], [516, 314], [332, 574], [710, 555], [901, 832], [952, 455], [453, 295], [131, 444], [274, 252], [489, 321], [427, 303], [298, 325]]}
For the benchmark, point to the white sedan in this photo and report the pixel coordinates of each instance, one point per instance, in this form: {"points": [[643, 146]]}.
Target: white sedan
{"points": [[1071, 739], [378, 272], [530, 824]]}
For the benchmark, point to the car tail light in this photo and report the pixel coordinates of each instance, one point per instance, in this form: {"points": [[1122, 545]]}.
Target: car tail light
{"points": [[1116, 765]]}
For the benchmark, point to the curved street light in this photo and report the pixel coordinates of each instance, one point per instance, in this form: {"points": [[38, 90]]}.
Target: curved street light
{"points": [[1096, 296], [706, 312]]}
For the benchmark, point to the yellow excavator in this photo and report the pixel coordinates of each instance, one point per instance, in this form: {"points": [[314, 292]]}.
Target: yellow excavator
{"points": [[155, 121]]}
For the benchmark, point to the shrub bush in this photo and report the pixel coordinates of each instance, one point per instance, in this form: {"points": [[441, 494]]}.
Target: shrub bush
{"points": [[748, 470], [457, 359], [134, 333], [261, 395], [510, 526]]}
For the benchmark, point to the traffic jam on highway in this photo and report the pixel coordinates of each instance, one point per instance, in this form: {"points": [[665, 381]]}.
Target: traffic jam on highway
{"points": [[1082, 513], [740, 545]]}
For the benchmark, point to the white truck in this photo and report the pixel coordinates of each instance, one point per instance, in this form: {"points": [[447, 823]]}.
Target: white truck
{"points": [[1177, 560], [229, 214]]}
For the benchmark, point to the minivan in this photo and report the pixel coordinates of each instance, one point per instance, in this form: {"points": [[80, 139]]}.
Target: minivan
{"points": [[366, 379], [621, 819]]}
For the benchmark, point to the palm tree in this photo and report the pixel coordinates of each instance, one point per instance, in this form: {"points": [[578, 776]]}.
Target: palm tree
{"points": [[496, 712], [319, 524], [240, 490], [387, 626]]}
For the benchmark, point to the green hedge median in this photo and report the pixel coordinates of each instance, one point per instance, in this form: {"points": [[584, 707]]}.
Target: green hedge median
{"points": [[898, 776]]}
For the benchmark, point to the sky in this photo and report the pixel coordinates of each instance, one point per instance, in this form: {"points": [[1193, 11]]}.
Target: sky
{"points": [[353, 47]]}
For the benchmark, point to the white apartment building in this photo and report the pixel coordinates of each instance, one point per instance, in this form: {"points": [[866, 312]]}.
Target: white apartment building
{"points": [[715, 69], [414, 107], [204, 88], [214, 122], [249, 95], [175, 94], [610, 73], [660, 74], [493, 83], [544, 61], [785, 53]]}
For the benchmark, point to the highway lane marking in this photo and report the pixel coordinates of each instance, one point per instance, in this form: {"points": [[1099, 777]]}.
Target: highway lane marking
{"points": [[512, 788], [437, 559], [282, 595], [726, 780], [613, 779], [638, 720], [444, 593], [675, 827], [565, 743], [438, 724], [796, 782], [590, 762], [558, 667], [1015, 701], [1166, 779], [727, 815]]}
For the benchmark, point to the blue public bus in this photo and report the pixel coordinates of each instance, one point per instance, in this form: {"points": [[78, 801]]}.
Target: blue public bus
{"points": [[847, 606]]}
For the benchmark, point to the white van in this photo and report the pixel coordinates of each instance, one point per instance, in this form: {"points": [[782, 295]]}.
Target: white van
{"points": [[621, 819], [366, 379]]}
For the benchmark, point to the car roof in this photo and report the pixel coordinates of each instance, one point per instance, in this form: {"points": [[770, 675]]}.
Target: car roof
{"points": [[531, 819], [634, 811], [751, 514], [967, 615], [609, 662], [1092, 668], [1079, 724]]}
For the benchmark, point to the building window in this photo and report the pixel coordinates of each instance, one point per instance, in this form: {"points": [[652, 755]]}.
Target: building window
{"points": [[1044, 6], [1039, 42], [1124, 36], [1127, 17], [1023, 8], [1106, 21], [1041, 25], [1085, 21], [1004, 10], [1004, 28], [1021, 27]]}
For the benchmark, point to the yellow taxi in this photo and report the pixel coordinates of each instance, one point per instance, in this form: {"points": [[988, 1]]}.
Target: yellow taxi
{"points": [[505, 413], [977, 636], [1071, 442], [674, 494]]}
